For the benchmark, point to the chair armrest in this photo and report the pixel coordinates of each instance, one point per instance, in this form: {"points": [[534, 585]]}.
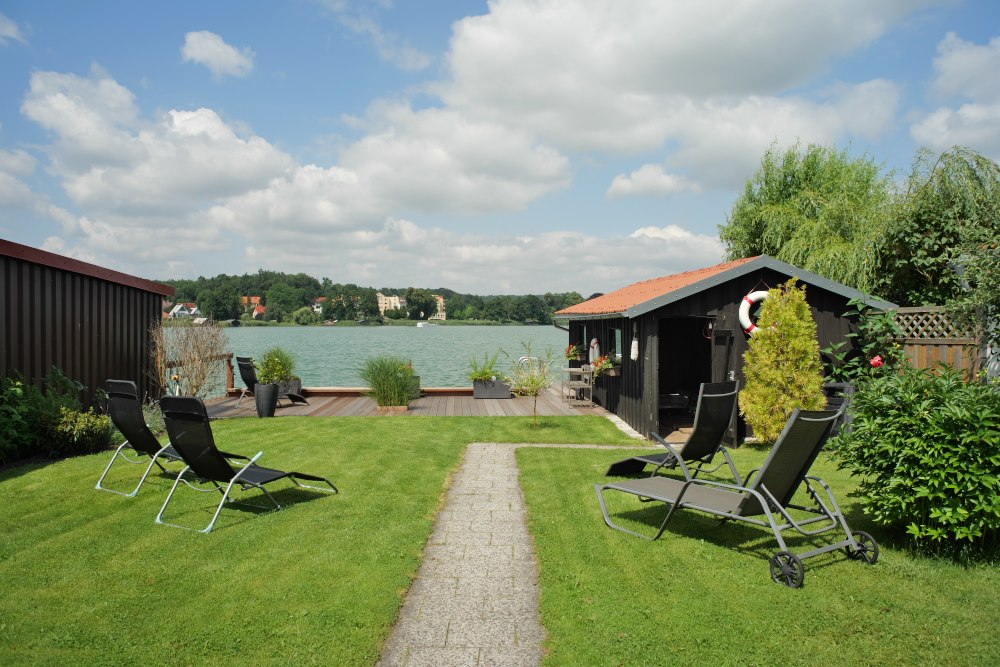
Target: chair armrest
{"points": [[230, 455]]}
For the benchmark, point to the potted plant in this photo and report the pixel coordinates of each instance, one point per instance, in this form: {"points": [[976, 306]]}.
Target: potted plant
{"points": [[391, 382], [487, 381], [277, 365], [574, 352], [605, 365]]}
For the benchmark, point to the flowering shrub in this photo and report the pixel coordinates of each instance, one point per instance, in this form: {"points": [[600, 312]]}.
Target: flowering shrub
{"points": [[926, 445], [871, 351]]}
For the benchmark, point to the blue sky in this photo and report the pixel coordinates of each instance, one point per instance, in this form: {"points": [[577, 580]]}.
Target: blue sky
{"points": [[517, 146]]}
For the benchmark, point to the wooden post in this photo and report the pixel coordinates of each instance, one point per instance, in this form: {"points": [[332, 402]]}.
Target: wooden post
{"points": [[230, 382]]}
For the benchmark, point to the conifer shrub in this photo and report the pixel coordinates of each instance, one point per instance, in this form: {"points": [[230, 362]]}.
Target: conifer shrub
{"points": [[926, 447], [782, 366]]}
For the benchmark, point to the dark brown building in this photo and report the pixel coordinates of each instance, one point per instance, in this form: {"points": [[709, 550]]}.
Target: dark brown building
{"points": [[90, 322], [688, 332]]}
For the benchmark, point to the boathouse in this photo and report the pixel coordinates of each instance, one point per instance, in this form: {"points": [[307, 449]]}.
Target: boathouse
{"points": [[90, 322], [687, 330]]}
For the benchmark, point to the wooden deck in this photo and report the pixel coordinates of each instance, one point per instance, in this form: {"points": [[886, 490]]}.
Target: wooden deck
{"points": [[430, 404]]}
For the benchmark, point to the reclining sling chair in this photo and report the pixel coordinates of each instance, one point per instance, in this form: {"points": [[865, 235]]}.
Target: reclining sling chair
{"points": [[191, 435], [125, 411], [713, 417], [764, 498]]}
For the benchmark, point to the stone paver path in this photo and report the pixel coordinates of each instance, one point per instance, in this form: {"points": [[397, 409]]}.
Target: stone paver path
{"points": [[475, 598]]}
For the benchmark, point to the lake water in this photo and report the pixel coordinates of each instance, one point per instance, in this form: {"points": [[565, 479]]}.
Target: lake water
{"points": [[331, 356]]}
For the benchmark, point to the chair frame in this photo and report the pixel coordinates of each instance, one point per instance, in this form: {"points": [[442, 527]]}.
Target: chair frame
{"points": [[126, 390], [241, 362], [675, 455], [196, 471], [786, 567]]}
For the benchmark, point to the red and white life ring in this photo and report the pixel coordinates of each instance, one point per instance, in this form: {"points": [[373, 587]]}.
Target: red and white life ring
{"points": [[749, 300]]}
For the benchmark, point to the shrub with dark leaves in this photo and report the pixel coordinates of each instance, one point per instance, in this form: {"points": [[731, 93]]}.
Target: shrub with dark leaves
{"points": [[926, 445]]}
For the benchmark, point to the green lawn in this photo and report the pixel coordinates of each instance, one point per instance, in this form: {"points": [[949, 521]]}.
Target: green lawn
{"points": [[89, 578], [702, 594]]}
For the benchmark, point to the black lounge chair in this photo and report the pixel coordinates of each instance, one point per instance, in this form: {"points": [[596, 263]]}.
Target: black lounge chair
{"points": [[191, 436], [766, 493], [125, 411], [248, 373], [713, 417]]}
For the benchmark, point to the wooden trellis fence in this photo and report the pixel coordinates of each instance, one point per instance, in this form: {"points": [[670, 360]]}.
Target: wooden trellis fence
{"points": [[929, 336]]}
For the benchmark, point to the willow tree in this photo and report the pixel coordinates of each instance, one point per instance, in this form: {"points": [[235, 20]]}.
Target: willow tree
{"points": [[818, 209], [942, 247]]}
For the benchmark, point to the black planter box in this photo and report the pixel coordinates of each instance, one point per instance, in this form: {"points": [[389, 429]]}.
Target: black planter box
{"points": [[490, 389], [266, 397]]}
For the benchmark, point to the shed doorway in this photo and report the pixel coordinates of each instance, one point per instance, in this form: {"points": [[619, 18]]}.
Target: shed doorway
{"points": [[685, 353]]}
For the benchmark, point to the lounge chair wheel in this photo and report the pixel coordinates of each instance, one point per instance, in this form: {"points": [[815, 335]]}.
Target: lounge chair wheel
{"points": [[786, 568], [867, 548]]}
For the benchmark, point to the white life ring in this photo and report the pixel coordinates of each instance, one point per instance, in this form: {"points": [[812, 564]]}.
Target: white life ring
{"points": [[749, 300]]}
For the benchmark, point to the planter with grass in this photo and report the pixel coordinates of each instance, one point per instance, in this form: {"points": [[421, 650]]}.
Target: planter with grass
{"points": [[487, 381], [390, 380], [274, 372]]}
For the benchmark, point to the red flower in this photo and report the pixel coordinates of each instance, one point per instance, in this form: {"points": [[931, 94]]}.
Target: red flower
{"points": [[877, 361]]}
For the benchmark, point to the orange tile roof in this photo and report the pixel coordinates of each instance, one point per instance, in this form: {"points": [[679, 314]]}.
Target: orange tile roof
{"points": [[637, 293]]}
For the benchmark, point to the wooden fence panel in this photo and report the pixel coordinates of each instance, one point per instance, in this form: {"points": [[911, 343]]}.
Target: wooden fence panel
{"points": [[929, 337]]}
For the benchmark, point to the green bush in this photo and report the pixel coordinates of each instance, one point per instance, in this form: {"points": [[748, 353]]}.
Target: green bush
{"points": [[29, 416], [14, 432], [926, 446], [390, 380], [276, 366], [81, 432], [782, 363], [870, 351]]}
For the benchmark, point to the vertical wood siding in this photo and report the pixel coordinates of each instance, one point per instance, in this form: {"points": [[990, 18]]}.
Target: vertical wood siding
{"points": [[634, 395], [92, 329]]}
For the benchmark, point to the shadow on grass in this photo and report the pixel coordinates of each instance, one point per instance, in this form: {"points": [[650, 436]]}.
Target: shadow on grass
{"points": [[241, 506], [758, 541]]}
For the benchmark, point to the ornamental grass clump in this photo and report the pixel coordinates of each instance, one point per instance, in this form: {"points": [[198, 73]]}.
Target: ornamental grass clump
{"points": [[926, 447], [390, 380], [782, 363]]}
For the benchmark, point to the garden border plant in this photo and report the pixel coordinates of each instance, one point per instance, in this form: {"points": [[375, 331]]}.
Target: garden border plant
{"points": [[926, 447]]}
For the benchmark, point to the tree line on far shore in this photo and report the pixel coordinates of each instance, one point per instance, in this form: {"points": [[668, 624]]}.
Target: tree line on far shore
{"points": [[290, 298]]}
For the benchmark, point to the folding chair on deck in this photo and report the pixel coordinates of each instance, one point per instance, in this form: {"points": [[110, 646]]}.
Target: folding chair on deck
{"points": [[713, 417], [765, 493], [191, 435]]}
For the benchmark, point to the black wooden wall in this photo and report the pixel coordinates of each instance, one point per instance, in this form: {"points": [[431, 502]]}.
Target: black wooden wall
{"points": [[90, 327]]}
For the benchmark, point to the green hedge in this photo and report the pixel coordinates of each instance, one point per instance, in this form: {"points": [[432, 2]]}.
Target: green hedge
{"points": [[49, 422], [926, 445]]}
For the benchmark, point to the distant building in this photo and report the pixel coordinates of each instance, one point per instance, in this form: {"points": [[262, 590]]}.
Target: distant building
{"points": [[317, 304], [250, 303], [440, 314], [388, 302], [185, 310]]}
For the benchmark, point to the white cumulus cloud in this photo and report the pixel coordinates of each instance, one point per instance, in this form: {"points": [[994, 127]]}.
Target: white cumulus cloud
{"points": [[10, 31], [209, 49], [650, 180], [965, 73]]}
